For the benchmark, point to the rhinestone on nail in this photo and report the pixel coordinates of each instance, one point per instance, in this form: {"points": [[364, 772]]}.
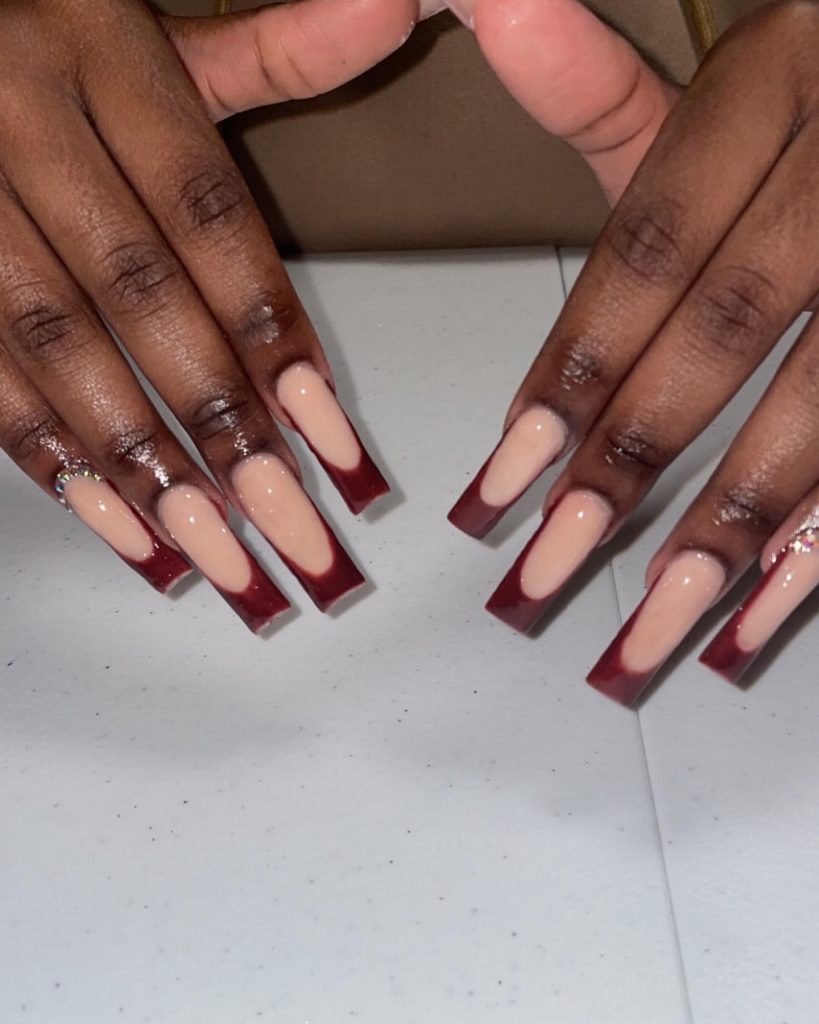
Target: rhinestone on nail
{"points": [[67, 473], [805, 542]]}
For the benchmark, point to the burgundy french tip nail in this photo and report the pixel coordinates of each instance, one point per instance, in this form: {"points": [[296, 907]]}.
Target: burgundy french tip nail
{"points": [[532, 442], [570, 531], [793, 575], [163, 568], [260, 602], [682, 593], [317, 415]]}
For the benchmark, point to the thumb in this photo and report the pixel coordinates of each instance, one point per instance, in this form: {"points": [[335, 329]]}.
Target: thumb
{"points": [[291, 51], [577, 77]]}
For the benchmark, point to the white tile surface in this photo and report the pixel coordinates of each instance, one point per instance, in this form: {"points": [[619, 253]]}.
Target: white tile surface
{"points": [[736, 779], [402, 814]]}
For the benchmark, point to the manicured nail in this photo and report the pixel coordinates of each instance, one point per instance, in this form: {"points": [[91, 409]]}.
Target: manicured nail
{"points": [[791, 578], [531, 444], [92, 499], [281, 510], [567, 536], [463, 9], [197, 526], [314, 409], [429, 8], [686, 588]]}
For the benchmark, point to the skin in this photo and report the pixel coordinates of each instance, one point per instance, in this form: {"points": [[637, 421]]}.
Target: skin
{"points": [[119, 202], [710, 254]]}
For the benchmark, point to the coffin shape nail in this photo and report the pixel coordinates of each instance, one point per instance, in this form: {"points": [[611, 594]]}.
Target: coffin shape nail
{"points": [[311, 404], [791, 578], [528, 447], [94, 500], [282, 511], [571, 530], [684, 591], [198, 527]]}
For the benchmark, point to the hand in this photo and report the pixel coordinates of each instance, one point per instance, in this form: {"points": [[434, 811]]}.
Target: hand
{"points": [[119, 203], [709, 256]]}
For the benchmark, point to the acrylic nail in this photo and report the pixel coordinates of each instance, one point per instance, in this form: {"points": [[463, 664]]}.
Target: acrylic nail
{"points": [[198, 527], [429, 8], [464, 10], [93, 500], [311, 404], [529, 446], [683, 592], [790, 579], [280, 508], [569, 533]]}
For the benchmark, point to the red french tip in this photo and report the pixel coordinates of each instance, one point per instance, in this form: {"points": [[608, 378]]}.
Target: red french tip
{"points": [[341, 578], [510, 604], [724, 655], [162, 568], [359, 487], [261, 600], [612, 678], [471, 514]]}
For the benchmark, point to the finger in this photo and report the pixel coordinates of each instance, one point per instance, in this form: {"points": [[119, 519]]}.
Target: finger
{"points": [[657, 241], [288, 52], [746, 296], [764, 475], [180, 168], [58, 341], [44, 448], [579, 79]]}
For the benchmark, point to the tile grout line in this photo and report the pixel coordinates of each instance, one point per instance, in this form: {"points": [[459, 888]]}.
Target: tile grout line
{"points": [[683, 977]]}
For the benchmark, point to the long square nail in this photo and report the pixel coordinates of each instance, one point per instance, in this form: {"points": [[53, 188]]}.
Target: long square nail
{"points": [[791, 578], [93, 500], [281, 510], [530, 444], [197, 526], [683, 592], [571, 530], [311, 404]]}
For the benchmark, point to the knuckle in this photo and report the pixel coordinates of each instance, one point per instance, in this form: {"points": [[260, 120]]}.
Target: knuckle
{"points": [[225, 410], [734, 314], [33, 433], [631, 450], [648, 241], [133, 449], [580, 365], [212, 200], [140, 278], [271, 320], [744, 506], [45, 326]]}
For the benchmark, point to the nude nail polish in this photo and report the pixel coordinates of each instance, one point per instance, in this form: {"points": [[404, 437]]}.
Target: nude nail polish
{"points": [[530, 445], [92, 499], [791, 578], [429, 8], [282, 511], [197, 526], [683, 592], [464, 10], [571, 530], [314, 409]]}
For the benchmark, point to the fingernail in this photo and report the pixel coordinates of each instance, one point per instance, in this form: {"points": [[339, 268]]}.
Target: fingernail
{"points": [[686, 588], [463, 9], [281, 510], [314, 409], [429, 8], [791, 578], [92, 499], [570, 532], [197, 526], [530, 444]]}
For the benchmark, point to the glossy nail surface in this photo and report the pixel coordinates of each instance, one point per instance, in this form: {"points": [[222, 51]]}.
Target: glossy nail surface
{"points": [[197, 526], [792, 577], [463, 9], [94, 501], [529, 446], [570, 532], [314, 409], [686, 588], [282, 511]]}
